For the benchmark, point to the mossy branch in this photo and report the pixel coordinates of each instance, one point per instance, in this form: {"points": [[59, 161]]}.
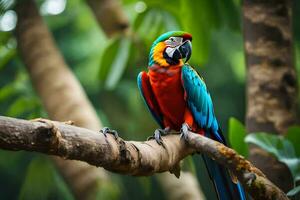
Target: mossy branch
{"points": [[129, 157]]}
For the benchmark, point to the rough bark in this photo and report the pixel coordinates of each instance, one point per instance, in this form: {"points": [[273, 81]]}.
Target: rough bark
{"points": [[129, 157], [110, 16], [271, 78], [60, 92]]}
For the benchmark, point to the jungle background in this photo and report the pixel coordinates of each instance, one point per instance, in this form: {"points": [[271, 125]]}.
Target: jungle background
{"points": [[106, 59]]}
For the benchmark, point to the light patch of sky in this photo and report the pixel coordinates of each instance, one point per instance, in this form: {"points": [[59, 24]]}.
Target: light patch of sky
{"points": [[53, 7], [8, 21], [140, 6]]}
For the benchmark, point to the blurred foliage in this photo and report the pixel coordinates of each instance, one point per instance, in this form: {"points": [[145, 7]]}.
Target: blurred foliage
{"points": [[107, 69], [179, 14], [293, 135], [294, 191], [46, 181], [280, 147], [116, 57], [284, 148], [236, 135]]}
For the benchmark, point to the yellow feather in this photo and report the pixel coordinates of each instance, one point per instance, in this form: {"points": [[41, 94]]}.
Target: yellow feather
{"points": [[158, 55]]}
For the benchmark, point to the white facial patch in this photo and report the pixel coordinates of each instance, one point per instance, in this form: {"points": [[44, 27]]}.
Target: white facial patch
{"points": [[174, 41], [170, 51], [172, 44]]}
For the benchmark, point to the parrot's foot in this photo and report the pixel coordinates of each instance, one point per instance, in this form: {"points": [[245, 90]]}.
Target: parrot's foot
{"points": [[158, 133], [184, 131], [106, 130]]}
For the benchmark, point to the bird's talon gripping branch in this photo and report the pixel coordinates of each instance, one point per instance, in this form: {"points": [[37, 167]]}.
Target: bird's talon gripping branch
{"points": [[250, 177], [158, 133], [184, 131], [157, 136], [106, 130]]}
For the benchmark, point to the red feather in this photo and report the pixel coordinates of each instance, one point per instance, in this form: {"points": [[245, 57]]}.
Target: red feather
{"points": [[168, 92]]}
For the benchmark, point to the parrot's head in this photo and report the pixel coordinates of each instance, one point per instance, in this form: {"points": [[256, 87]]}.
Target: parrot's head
{"points": [[173, 48]]}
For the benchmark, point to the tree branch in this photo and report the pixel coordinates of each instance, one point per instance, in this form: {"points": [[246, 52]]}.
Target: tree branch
{"points": [[129, 157], [110, 16]]}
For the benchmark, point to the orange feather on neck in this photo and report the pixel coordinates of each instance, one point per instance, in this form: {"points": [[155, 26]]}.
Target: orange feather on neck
{"points": [[158, 55]]}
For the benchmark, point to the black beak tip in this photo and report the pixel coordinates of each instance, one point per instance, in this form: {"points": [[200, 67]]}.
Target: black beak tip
{"points": [[186, 50]]}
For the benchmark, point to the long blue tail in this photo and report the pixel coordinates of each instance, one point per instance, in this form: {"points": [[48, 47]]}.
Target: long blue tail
{"points": [[226, 189]]}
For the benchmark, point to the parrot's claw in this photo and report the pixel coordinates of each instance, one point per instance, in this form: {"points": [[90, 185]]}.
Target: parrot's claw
{"points": [[106, 130], [157, 135], [184, 131]]}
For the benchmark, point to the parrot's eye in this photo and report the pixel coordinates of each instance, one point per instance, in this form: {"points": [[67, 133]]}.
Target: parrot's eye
{"points": [[174, 41]]}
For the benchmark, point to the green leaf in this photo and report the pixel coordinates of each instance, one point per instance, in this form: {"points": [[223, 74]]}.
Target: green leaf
{"points": [[189, 165], [293, 135], [237, 134], [146, 184], [200, 28], [114, 61], [119, 63], [5, 37], [7, 55], [151, 26], [22, 105], [139, 20], [170, 22], [230, 13], [273, 144], [107, 58], [7, 91], [294, 191], [107, 190], [43, 182], [10, 161], [278, 146]]}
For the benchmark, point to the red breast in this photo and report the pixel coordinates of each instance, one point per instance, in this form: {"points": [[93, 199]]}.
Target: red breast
{"points": [[167, 88]]}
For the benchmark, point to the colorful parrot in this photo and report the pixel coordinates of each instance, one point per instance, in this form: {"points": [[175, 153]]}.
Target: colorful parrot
{"points": [[178, 99]]}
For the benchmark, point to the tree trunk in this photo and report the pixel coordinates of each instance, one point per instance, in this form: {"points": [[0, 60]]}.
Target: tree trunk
{"points": [[60, 92], [271, 79], [110, 16]]}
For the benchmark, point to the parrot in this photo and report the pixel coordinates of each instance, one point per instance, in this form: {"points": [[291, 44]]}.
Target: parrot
{"points": [[178, 99]]}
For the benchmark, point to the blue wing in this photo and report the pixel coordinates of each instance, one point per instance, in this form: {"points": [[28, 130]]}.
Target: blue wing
{"points": [[200, 102], [201, 106], [149, 98]]}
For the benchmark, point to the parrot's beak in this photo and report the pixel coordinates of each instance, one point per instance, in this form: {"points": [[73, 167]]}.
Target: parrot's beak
{"points": [[185, 50]]}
